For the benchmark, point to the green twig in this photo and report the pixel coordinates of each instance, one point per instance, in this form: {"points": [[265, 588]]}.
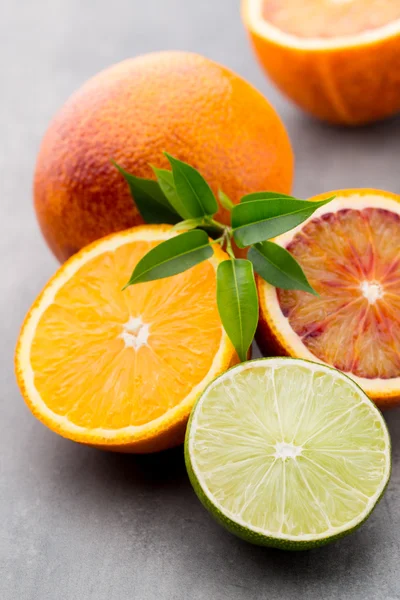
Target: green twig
{"points": [[229, 248]]}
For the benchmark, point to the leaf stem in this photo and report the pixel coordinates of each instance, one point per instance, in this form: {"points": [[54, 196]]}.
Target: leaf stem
{"points": [[214, 225], [229, 248]]}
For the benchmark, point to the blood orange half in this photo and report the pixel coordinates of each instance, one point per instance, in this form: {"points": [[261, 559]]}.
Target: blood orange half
{"points": [[350, 253]]}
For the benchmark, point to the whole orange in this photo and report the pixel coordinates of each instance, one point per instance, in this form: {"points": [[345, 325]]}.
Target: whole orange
{"points": [[190, 106]]}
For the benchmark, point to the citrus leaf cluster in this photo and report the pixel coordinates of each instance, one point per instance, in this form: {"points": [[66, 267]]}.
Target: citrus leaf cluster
{"points": [[183, 198]]}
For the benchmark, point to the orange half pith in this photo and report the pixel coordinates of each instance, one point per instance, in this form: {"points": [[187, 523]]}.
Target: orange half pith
{"points": [[116, 368], [350, 253]]}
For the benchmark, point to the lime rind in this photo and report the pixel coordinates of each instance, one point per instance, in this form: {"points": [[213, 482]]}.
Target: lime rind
{"points": [[355, 503]]}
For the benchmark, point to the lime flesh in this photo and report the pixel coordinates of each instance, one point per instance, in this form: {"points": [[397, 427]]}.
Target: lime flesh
{"points": [[287, 453]]}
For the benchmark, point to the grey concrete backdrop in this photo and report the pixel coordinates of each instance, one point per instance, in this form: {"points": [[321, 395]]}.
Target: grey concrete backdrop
{"points": [[79, 524]]}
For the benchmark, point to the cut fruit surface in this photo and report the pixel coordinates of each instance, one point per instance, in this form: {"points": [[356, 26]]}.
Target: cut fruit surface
{"points": [[117, 368], [337, 59], [329, 18], [349, 251], [287, 453]]}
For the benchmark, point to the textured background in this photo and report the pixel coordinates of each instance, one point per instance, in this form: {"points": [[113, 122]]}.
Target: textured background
{"points": [[76, 523]]}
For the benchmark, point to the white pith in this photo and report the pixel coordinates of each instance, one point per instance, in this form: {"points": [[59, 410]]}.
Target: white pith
{"points": [[286, 451], [253, 15], [371, 290], [135, 333], [62, 423], [282, 324]]}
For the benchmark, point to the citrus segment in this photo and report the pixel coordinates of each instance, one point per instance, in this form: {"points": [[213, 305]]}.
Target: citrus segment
{"points": [[99, 362], [287, 453], [349, 252]]}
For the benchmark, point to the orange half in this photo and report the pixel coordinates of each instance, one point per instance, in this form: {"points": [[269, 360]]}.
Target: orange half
{"points": [[349, 251], [122, 369], [337, 59]]}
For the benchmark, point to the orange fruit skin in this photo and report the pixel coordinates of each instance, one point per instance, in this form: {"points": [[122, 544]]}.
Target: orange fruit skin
{"points": [[268, 336], [351, 85], [180, 102]]}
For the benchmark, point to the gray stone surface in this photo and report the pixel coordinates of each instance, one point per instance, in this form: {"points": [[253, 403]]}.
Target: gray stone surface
{"points": [[76, 523]]}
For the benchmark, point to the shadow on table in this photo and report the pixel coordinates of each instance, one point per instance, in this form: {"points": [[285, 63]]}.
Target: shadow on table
{"points": [[164, 469], [387, 126], [151, 496]]}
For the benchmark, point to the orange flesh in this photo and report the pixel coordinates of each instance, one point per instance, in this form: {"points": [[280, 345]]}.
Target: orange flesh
{"points": [[348, 256], [83, 368], [329, 18]]}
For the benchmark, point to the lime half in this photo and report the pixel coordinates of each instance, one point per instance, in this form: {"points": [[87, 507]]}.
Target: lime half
{"points": [[287, 453]]}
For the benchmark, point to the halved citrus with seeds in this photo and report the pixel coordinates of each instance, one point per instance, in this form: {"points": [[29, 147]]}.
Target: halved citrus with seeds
{"points": [[337, 59], [287, 453], [122, 369], [349, 251]]}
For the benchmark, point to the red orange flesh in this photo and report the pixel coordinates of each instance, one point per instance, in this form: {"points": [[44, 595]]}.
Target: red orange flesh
{"points": [[352, 259], [350, 253]]}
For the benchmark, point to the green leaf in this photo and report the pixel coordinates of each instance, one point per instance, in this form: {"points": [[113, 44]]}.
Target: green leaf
{"points": [[225, 201], [173, 256], [238, 303], [149, 198], [166, 182], [192, 189], [277, 266], [264, 196], [259, 220], [189, 224]]}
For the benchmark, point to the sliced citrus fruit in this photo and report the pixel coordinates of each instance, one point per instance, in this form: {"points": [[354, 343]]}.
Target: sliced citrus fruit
{"points": [[349, 251], [337, 59], [287, 453], [121, 369]]}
